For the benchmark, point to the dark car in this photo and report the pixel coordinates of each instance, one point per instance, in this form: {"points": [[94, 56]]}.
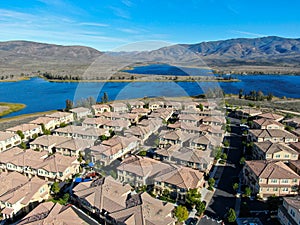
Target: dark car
{"points": [[191, 221]]}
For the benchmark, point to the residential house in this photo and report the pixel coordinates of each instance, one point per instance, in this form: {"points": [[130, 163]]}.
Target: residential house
{"points": [[32, 163], [293, 122], [101, 196], [289, 211], [112, 149], [173, 137], [190, 105], [49, 123], [213, 120], [8, 140], [119, 107], [141, 111], [296, 132], [141, 132], [247, 113], [191, 111], [29, 130], [173, 105], [90, 133], [178, 180], [268, 178], [114, 204], [81, 112], [62, 117], [204, 142], [296, 146], [185, 156], [63, 145], [214, 131], [274, 135], [277, 151], [139, 171], [190, 118], [271, 116], [295, 166], [162, 113], [117, 125], [95, 122], [100, 108], [152, 124], [136, 104], [20, 194], [189, 128], [209, 105], [142, 209], [133, 118], [156, 105], [269, 124], [54, 213]]}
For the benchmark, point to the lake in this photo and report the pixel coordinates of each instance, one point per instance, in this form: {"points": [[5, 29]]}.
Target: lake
{"points": [[165, 69], [41, 95]]}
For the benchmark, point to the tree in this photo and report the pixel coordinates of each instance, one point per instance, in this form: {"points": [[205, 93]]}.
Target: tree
{"points": [[20, 133], [231, 216], [69, 105], [201, 107], [104, 98], [193, 196], [45, 131], [241, 91], [200, 207], [23, 145], [181, 213], [242, 160], [248, 191], [211, 182], [235, 186], [55, 188], [224, 156], [226, 143], [270, 96], [217, 152]]}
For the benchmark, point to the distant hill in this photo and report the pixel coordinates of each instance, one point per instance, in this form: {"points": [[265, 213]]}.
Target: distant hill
{"points": [[257, 55], [254, 53], [29, 57]]}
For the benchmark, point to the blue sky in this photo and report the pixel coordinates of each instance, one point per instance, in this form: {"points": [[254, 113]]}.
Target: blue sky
{"points": [[108, 24]]}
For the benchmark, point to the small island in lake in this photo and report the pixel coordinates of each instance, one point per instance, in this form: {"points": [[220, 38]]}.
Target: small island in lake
{"points": [[7, 108]]}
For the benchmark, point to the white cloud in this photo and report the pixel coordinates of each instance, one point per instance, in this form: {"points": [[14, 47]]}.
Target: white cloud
{"points": [[94, 24], [248, 33]]}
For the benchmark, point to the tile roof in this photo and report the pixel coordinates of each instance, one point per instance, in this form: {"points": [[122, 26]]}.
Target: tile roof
{"points": [[148, 211], [23, 127], [105, 193], [271, 169], [56, 214], [180, 176], [269, 147], [6, 135]]}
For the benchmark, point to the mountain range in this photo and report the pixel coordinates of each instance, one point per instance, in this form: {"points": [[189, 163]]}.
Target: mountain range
{"points": [[267, 55]]}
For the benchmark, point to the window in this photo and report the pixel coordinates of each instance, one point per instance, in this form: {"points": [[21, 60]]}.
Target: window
{"points": [[286, 156], [292, 212], [284, 181], [277, 156], [274, 181], [275, 189]]}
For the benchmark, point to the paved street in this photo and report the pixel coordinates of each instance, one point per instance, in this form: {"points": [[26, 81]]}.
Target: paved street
{"points": [[224, 196]]}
